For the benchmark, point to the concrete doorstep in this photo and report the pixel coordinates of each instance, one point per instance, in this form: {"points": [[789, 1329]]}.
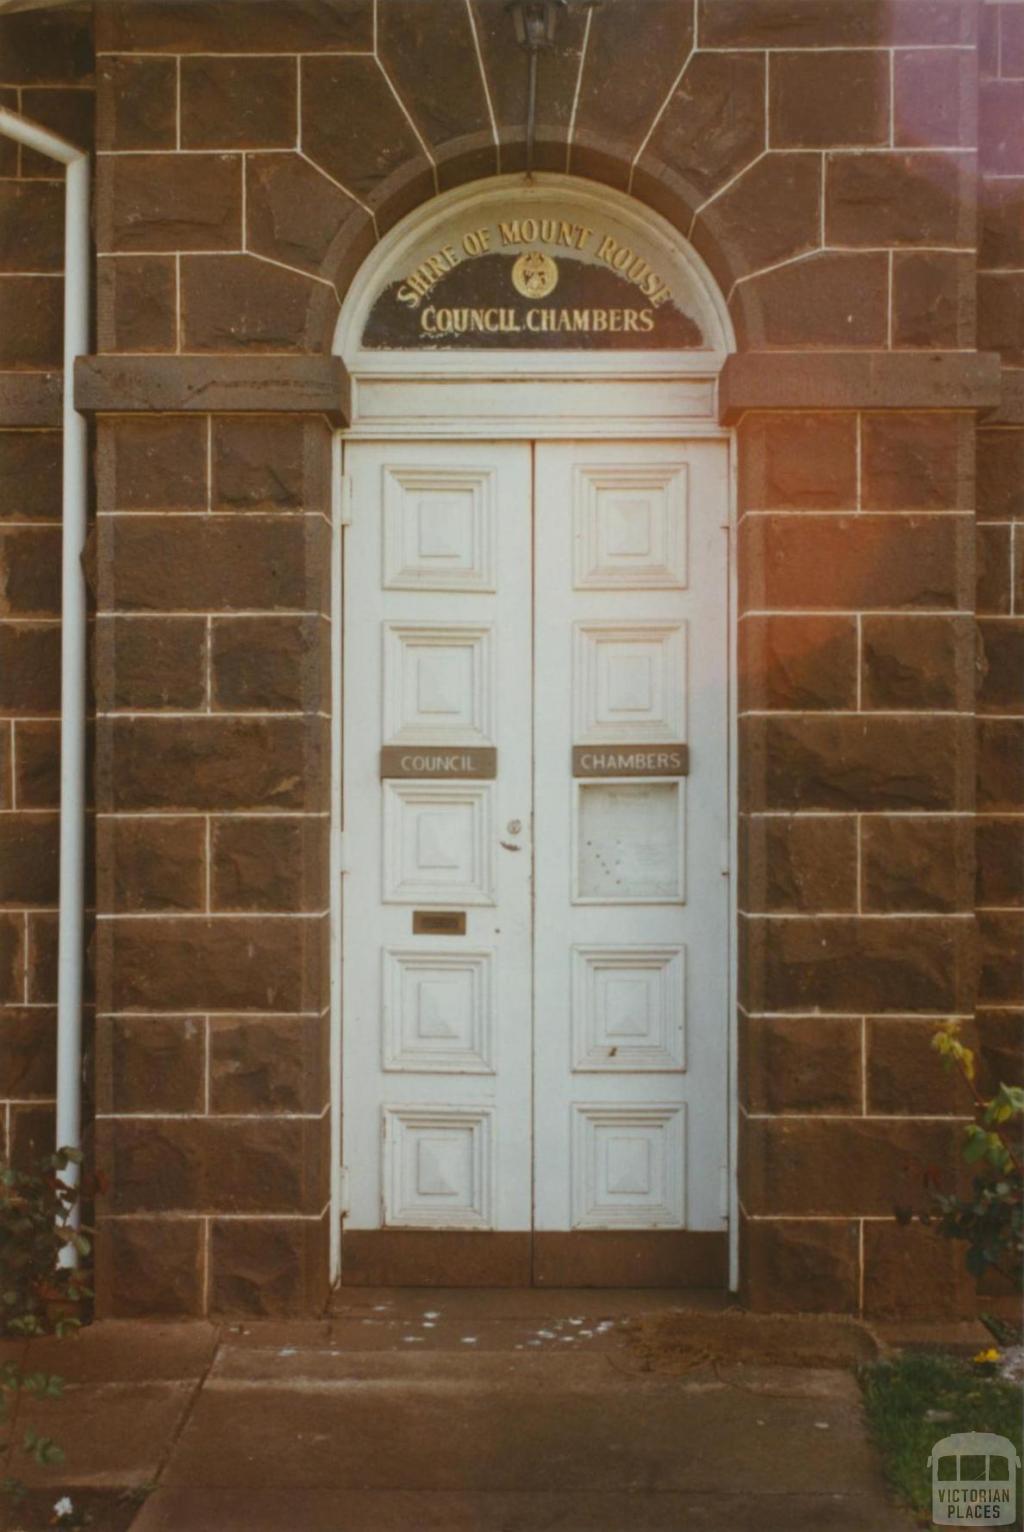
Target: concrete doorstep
{"points": [[444, 1411]]}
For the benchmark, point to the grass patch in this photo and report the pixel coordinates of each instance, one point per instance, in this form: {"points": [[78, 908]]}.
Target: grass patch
{"points": [[902, 1398]]}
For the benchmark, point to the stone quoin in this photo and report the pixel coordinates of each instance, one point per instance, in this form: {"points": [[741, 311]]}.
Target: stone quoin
{"points": [[607, 576]]}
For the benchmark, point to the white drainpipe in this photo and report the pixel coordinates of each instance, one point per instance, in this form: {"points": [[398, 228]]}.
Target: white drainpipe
{"points": [[74, 493]]}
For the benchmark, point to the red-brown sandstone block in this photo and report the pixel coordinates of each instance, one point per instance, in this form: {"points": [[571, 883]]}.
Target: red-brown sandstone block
{"points": [[841, 1167], [353, 126], [1001, 315], [150, 662], [820, 24], [137, 303], [30, 559], [1011, 42], [12, 959], [267, 1064], [237, 26], [149, 1268], [917, 461], [1000, 463], [839, 299], [269, 463], [31, 226], [933, 299], [1000, 861], [37, 765], [1001, 666], [800, 1265], [770, 213], [30, 474], [28, 1054], [1000, 764], [1001, 126], [151, 864], [29, 668], [70, 113], [31, 1132], [53, 46], [1001, 223], [905, 1076], [818, 100], [268, 1270], [805, 1064], [797, 460], [899, 199], [229, 102], [849, 963], [269, 863], [430, 54], [935, 98], [9, 150], [169, 202], [799, 864], [152, 464], [1001, 943], [238, 303], [30, 322], [230, 963], [1017, 573], [6, 775], [857, 763], [271, 663], [294, 213], [911, 1273], [29, 859], [917, 864], [798, 663], [714, 123], [994, 572], [217, 563], [918, 662], [876, 562], [210, 763], [136, 99], [150, 1064], [1000, 1048], [41, 962]]}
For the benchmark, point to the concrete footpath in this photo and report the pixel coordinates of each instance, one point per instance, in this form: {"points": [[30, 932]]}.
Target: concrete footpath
{"points": [[445, 1411]]}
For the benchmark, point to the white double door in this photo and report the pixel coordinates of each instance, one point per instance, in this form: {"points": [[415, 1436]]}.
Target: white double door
{"points": [[535, 962]]}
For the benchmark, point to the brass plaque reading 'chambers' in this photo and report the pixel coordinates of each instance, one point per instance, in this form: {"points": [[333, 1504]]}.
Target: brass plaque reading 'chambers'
{"points": [[479, 762], [630, 760], [438, 922]]}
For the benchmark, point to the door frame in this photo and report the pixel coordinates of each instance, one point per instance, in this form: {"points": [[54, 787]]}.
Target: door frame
{"points": [[529, 396]]}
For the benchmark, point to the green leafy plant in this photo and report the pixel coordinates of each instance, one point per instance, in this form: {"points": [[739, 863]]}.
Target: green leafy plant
{"points": [[38, 1295], [990, 1220]]}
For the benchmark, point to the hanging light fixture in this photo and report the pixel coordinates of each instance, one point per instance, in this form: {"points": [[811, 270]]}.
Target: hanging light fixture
{"points": [[536, 28]]}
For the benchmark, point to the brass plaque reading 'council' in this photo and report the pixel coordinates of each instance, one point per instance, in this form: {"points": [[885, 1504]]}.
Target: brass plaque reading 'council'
{"points": [[430, 762], [630, 760]]}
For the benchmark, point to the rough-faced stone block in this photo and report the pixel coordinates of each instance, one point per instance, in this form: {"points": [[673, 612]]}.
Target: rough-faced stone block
{"points": [[31, 226], [41, 963], [818, 100], [266, 1064], [714, 124], [1000, 469], [30, 322], [1000, 861], [237, 26], [30, 468], [293, 213], [229, 102], [28, 1054], [917, 864], [239, 303], [806, 1064], [30, 581], [12, 958], [1001, 125], [917, 461], [29, 668], [29, 860], [797, 460], [800, 864], [918, 662], [137, 303], [935, 96], [933, 299], [209, 763], [905, 1076], [636, 40], [429, 52], [798, 663], [31, 1132], [856, 563], [150, 662], [151, 864], [37, 765], [353, 126], [51, 47], [6, 782], [169, 202], [1001, 944], [800, 1265], [268, 463], [69, 112], [911, 1273], [1000, 1047], [770, 213], [820, 24], [155, 463], [150, 1064], [270, 663], [899, 199], [268, 1270], [1000, 764], [1001, 314], [136, 99], [993, 570], [1001, 223], [149, 1268], [269, 863], [879, 964], [839, 299], [1001, 666], [857, 763]]}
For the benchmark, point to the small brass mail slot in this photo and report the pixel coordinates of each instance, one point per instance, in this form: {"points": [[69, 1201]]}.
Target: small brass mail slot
{"points": [[438, 922], [630, 760], [432, 762]]}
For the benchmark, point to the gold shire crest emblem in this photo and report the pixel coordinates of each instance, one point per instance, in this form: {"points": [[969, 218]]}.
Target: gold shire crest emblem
{"points": [[534, 274]]}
